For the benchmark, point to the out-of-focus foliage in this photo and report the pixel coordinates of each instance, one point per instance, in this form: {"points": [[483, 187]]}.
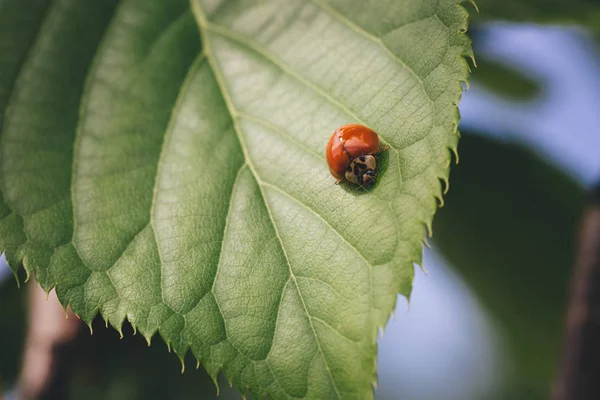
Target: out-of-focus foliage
{"points": [[100, 366], [582, 12], [12, 317], [509, 228], [504, 80]]}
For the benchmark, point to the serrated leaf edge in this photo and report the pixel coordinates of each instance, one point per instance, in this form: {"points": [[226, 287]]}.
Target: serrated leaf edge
{"points": [[443, 182]]}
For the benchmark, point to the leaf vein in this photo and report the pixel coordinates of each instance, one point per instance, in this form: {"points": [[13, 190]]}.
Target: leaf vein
{"points": [[166, 140], [203, 27], [361, 31], [235, 183], [335, 330], [289, 195]]}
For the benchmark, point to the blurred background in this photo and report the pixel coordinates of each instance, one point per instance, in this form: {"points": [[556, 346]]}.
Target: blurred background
{"points": [[486, 321]]}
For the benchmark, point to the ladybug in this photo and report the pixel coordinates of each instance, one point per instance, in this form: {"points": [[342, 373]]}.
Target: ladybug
{"points": [[351, 152]]}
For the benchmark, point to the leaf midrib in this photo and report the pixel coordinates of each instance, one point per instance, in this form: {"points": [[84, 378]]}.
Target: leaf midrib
{"points": [[236, 115], [223, 31], [202, 23]]}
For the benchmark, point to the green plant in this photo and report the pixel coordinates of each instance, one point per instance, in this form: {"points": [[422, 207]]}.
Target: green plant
{"points": [[162, 163]]}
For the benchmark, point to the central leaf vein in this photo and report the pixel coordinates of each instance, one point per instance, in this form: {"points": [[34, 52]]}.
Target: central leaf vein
{"points": [[232, 111]]}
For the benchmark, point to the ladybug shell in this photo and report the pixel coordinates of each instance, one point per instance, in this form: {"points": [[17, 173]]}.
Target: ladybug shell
{"points": [[347, 143]]}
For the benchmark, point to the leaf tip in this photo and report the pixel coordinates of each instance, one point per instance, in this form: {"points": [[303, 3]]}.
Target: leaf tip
{"points": [[420, 265], [441, 199], [472, 2], [216, 382], [454, 151], [466, 83], [148, 337], [471, 56], [89, 324], [446, 183], [16, 275], [426, 243]]}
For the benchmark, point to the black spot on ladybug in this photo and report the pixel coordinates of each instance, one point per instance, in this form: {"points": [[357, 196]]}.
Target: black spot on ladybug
{"points": [[349, 169], [362, 158], [361, 166], [355, 169]]}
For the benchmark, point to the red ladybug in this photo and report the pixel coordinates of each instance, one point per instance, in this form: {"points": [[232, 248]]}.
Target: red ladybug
{"points": [[351, 154]]}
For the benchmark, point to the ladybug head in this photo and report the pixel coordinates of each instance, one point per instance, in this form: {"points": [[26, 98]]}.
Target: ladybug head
{"points": [[361, 170]]}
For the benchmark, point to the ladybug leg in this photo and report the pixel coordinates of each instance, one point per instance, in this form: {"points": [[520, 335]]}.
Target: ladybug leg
{"points": [[386, 147], [338, 181]]}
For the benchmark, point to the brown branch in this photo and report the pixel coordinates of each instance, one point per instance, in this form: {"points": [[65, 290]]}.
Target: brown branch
{"points": [[579, 369]]}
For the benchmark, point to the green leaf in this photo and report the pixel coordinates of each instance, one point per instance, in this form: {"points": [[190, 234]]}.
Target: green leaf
{"points": [[509, 228], [38, 133], [198, 202], [19, 25]]}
